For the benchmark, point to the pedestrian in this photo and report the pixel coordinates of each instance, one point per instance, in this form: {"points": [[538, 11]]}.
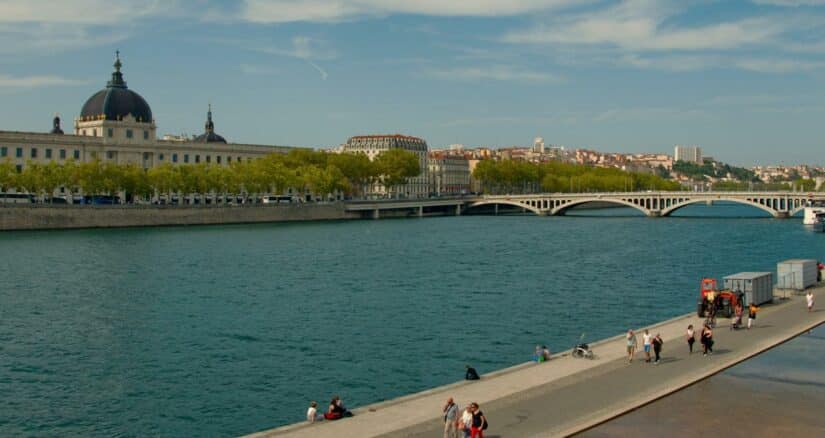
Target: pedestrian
{"points": [[646, 345], [691, 338], [545, 352], [632, 344], [479, 423], [752, 309], [657, 346], [466, 420], [335, 411], [471, 373], [450, 412], [707, 340], [810, 298], [312, 412]]}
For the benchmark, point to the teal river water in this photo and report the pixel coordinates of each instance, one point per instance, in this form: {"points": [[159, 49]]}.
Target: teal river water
{"points": [[224, 330]]}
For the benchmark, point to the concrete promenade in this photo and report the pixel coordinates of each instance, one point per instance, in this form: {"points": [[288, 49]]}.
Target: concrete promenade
{"points": [[565, 395]]}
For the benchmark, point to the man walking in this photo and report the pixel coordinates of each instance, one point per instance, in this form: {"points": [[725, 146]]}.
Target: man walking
{"points": [[657, 346], [450, 411], [631, 345], [646, 345], [810, 299]]}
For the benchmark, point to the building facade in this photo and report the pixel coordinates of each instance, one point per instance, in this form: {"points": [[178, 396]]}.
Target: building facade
{"points": [[116, 125], [691, 154], [449, 174], [374, 145]]}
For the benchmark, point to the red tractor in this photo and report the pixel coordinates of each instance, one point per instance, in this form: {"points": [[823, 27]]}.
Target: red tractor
{"points": [[722, 302]]}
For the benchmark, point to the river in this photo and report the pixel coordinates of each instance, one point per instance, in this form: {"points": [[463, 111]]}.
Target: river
{"points": [[224, 330]]}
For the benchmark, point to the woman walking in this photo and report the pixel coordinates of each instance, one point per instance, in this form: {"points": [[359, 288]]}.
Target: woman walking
{"points": [[466, 421], [479, 423], [810, 299], [752, 309], [632, 344], [691, 338], [707, 340]]}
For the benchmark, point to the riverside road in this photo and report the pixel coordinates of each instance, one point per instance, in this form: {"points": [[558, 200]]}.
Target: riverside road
{"points": [[566, 396]]}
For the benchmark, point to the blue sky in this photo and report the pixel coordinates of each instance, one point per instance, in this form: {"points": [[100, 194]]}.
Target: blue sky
{"points": [[743, 79]]}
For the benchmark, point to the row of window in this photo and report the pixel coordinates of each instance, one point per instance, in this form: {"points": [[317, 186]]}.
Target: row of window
{"points": [[48, 154], [111, 133], [33, 153]]}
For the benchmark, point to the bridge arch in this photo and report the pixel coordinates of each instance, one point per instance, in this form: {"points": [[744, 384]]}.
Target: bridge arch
{"points": [[507, 202], [674, 207], [562, 208]]}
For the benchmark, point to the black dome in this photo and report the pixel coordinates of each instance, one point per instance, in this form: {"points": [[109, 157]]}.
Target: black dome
{"points": [[209, 135], [116, 101]]}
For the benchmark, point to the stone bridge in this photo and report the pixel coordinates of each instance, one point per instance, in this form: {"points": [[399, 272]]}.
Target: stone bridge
{"points": [[654, 204]]}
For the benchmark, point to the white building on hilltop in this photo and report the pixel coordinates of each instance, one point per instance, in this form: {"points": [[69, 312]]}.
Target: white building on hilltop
{"points": [[538, 145], [691, 154]]}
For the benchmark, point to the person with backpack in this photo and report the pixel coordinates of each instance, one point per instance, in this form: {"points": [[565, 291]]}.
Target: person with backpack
{"points": [[479, 424], [450, 412]]}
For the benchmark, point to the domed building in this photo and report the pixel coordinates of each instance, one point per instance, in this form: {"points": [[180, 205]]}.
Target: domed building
{"points": [[209, 135], [116, 125], [116, 113]]}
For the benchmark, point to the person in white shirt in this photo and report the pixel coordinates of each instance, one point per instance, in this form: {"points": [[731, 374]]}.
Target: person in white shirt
{"points": [[810, 298], [646, 343], [466, 421], [312, 412]]}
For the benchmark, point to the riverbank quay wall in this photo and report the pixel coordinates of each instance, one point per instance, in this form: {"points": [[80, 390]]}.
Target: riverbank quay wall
{"points": [[46, 217], [565, 395]]}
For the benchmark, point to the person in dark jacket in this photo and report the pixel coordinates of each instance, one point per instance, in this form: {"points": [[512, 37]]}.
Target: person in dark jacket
{"points": [[471, 373], [657, 347]]}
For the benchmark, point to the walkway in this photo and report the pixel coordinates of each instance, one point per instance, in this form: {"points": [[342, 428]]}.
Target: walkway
{"points": [[567, 395]]}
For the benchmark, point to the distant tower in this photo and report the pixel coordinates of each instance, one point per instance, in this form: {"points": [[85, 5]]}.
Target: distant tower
{"points": [[56, 125], [209, 135], [538, 145]]}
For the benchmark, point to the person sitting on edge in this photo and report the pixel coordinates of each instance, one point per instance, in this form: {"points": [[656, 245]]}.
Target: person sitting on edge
{"points": [[538, 356], [335, 411], [545, 352], [312, 412], [471, 373]]}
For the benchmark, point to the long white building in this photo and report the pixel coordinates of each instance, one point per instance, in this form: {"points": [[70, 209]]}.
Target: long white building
{"points": [[116, 125]]}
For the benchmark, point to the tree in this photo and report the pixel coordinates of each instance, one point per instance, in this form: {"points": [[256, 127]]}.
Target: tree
{"points": [[8, 176], [396, 166]]}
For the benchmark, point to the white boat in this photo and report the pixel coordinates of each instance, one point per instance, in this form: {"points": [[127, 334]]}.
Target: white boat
{"points": [[810, 214]]}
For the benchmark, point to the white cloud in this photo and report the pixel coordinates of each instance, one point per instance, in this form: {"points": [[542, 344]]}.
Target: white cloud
{"points": [[11, 82], [285, 11], [642, 32], [790, 3], [495, 72], [98, 12], [778, 66]]}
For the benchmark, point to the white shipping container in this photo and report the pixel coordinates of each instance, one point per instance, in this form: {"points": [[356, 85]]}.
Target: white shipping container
{"points": [[796, 274], [757, 286]]}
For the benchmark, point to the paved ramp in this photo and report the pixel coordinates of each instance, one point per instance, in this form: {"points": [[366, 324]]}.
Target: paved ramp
{"points": [[566, 395]]}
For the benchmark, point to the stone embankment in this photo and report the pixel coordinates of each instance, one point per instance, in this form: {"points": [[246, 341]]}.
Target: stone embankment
{"points": [[46, 217], [565, 396]]}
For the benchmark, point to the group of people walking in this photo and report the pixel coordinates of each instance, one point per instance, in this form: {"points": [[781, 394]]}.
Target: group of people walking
{"points": [[471, 423], [648, 342]]}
